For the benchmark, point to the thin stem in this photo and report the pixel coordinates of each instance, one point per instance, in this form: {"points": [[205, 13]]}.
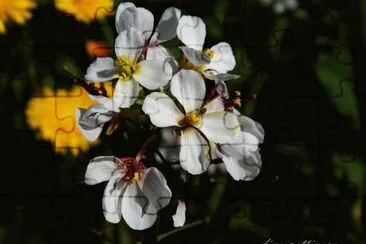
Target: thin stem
{"points": [[144, 147], [187, 226], [81, 82]]}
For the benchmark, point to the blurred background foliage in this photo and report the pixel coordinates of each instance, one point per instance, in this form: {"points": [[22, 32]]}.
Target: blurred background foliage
{"points": [[306, 68]]}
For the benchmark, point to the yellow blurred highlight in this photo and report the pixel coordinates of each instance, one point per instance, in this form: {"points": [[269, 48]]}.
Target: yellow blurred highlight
{"points": [[53, 116], [16, 10], [86, 10]]}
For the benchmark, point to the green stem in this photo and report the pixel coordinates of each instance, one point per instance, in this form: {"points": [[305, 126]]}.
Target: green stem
{"points": [[187, 226]]}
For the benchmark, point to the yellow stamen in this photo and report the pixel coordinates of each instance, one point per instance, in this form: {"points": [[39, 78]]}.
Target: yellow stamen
{"points": [[126, 68], [192, 118], [209, 52], [136, 176]]}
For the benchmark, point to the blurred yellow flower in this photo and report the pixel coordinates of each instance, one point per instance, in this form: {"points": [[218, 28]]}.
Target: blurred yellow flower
{"points": [[86, 10], [16, 10], [53, 116]]}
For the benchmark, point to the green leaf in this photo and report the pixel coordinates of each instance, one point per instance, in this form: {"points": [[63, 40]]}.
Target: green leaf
{"points": [[242, 221], [214, 29], [217, 194], [353, 170], [337, 79], [220, 10]]}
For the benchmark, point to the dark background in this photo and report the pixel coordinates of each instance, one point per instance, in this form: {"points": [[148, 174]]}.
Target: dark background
{"points": [[306, 68]]}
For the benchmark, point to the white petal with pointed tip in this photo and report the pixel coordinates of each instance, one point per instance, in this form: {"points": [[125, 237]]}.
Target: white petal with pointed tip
{"points": [[136, 209], [191, 31], [223, 59], [179, 218], [100, 169], [162, 110], [128, 16], [129, 43], [189, 88], [154, 186], [126, 93], [153, 74], [102, 69], [193, 155]]}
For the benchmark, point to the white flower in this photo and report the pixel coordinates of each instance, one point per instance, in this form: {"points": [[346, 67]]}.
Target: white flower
{"points": [[91, 120], [213, 122], [242, 158], [129, 70], [280, 6], [134, 192], [129, 16], [212, 62], [179, 218]]}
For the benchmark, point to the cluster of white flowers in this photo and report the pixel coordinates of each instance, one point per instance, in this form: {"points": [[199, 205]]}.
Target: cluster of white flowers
{"points": [[197, 124]]}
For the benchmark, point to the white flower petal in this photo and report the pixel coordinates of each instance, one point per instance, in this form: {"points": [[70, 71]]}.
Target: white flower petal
{"points": [[129, 43], [189, 88], [222, 89], [191, 31], [91, 120], [161, 110], [167, 26], [215, 105], [128, 16], [153, 74], [219, 77], [136, 209], [126, 93], [162, 54], [193, 156], [102, 69], [242, 169], [244, 145], [120, 24], [220, 127], [179, 218], [250, 126], [223, 59], [106, 102], [154, 186], [196, 57], [112, 198], [100, 169]]}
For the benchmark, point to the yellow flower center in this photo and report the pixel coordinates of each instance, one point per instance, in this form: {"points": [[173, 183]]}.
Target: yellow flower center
{"points": [[184, 63], [208, 52], [192, 118], [126, 68]]}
